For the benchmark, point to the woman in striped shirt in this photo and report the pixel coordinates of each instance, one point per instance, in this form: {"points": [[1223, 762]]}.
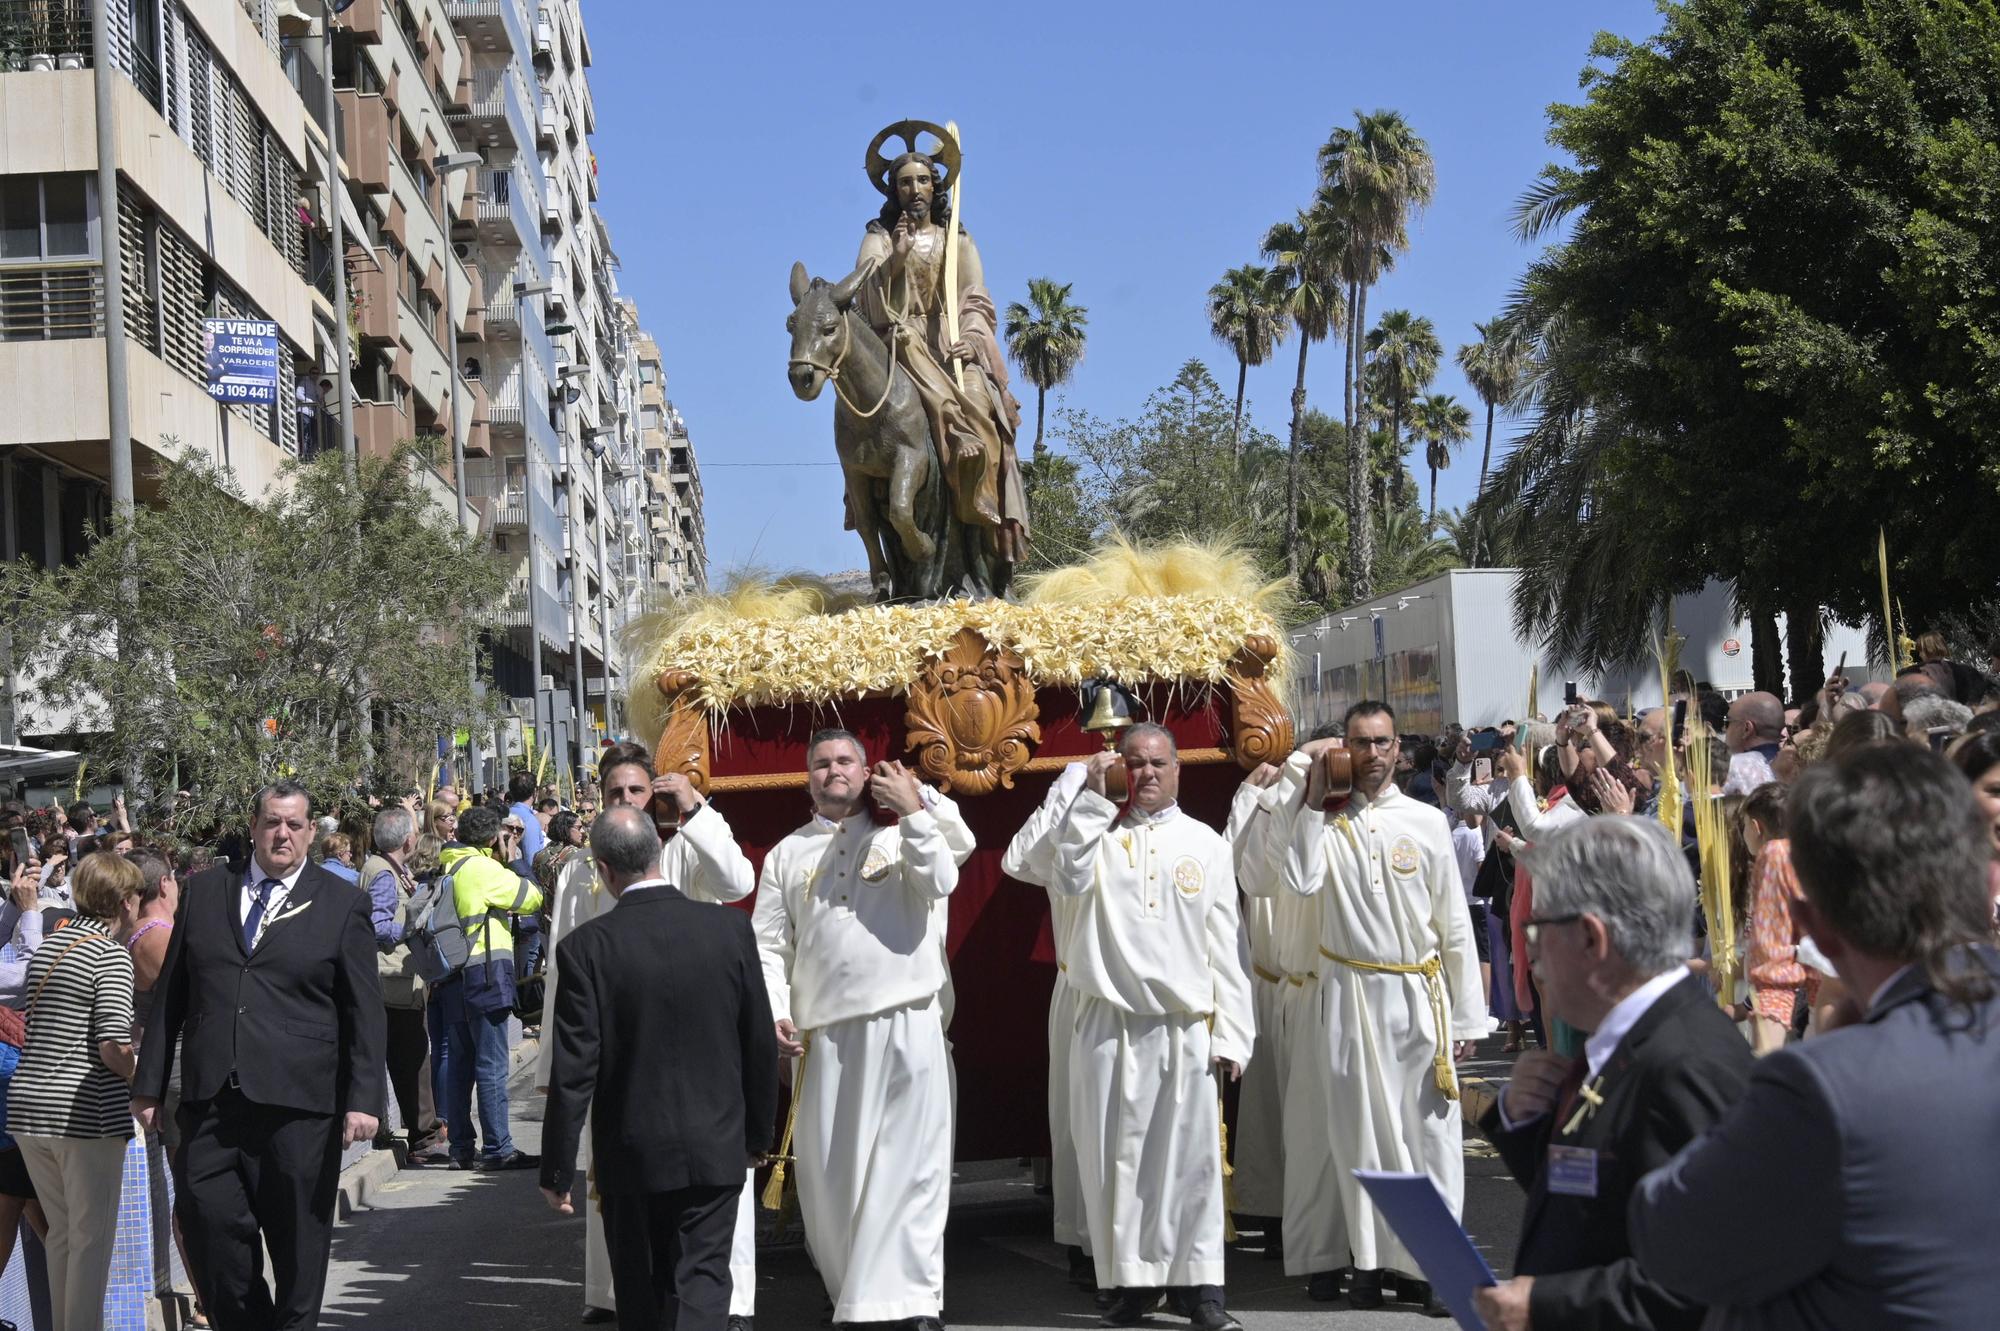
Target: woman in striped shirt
{"points": [[69, 1104]]}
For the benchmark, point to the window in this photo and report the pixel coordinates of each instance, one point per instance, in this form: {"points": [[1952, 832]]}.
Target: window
{"points": [[44, 218]]}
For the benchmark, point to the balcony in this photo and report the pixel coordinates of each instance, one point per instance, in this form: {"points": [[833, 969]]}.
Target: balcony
{"points": [[365, 143], [504, 502], [379, 427], [505, 201], [462, 91], [496, 116], [479, 431], [545, 33], [375, 300], [492, 26], [513, 611], [364, 20], [50, 302]]}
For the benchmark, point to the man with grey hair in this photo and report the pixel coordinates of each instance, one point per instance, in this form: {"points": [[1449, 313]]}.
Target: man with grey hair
{"points": [[385, 876], [663, 1035], [1612, 930]]}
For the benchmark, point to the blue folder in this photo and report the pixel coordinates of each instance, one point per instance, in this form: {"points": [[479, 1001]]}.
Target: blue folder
{"points": [[1416, 1210]]}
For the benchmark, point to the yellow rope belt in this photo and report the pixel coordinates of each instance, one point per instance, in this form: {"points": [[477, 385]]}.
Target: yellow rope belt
{"points": [[1432, 969], [1268, 977]]}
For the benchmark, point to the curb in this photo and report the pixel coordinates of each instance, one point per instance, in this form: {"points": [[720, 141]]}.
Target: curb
{"points": [[360, 1181]]}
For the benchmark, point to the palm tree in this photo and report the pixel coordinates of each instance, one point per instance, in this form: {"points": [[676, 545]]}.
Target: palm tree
{"points": [[1443, 423], [1375, 176], [1246, 312], [1493, 367], [1306, 252], [1409, 551], [1045, 337], [1403, 353]]}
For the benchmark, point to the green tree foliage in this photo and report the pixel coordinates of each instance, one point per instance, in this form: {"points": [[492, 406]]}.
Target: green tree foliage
{"points": [[1403, 355], [1307, 253], [1444, 424], [1173, 471], [1773, 327], [1067, 512], [1045, 337], [1247, 314], [1374, 178], [1493, 366], [265, 630]]}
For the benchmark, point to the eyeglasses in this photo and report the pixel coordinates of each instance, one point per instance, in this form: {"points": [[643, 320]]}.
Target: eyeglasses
{"points": [[1532, 930], [1381, 742]]}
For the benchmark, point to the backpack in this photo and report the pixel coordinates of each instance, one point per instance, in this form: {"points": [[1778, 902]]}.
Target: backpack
{"points": [[436, 935]]}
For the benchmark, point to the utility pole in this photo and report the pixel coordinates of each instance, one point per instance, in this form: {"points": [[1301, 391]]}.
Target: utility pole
{"points": [[117, 391]]}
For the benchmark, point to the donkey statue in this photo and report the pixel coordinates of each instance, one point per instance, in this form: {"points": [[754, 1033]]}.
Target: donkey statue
{"points": [[896, 498]]}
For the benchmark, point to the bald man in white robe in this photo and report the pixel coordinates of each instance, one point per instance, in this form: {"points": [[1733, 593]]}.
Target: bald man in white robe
{"points": [[1157, 957]]}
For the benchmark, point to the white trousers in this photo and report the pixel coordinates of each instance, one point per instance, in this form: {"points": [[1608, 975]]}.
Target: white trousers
{"points": [[1259, 1140], [1065, 1189], [1384, 1110], [873, 1143], [1145, 1114], [1315, 1226], [77, 1180]]}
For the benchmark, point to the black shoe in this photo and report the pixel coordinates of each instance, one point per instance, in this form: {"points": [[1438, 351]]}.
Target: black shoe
{"points": [[925, 1324], [1365, 1290], [1208, 1315], [1130, 1306], [1420, 1292], [1323, 1286], [512, 1160], [462, 1162], [595, 1316], [742, 1323], [1082, 1270], [1104, 1298]]}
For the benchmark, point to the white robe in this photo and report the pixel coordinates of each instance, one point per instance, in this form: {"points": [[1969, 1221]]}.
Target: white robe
{"points": [[705, 863], [1390, 893], [850, 926], [1030, 858], [1258, 1147], [1156, 955]]}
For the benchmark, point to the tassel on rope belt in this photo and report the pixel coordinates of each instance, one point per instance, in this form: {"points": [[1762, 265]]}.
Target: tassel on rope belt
{"points": [[1432, 969], [774, 1187]]}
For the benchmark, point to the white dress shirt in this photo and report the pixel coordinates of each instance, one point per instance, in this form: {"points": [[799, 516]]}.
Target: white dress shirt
{"points": [[246, 896], [1623, 1016]]}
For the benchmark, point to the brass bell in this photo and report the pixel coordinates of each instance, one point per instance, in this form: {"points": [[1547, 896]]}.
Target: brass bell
{"points": [[1109, 708]]}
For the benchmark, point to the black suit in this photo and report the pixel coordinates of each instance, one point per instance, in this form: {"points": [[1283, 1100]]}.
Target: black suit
{"points": [[663, 1033], [1679, 1068], [276, 1045]]}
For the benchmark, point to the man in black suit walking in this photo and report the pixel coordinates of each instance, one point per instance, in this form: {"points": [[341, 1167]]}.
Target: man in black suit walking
{"points": [[1613, 928], [270, 982], [662, 1030]]}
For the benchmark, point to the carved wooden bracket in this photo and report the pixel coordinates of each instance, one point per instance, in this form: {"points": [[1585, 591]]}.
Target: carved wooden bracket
{"points": [[1260, 728], [683, 745], [972, 716]]}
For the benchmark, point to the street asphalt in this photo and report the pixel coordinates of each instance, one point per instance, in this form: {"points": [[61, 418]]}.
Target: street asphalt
{"points": [[440, 1250]]}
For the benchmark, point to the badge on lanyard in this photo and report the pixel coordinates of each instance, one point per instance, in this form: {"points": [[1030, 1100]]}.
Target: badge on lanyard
{"points": [[1572, 1171]]}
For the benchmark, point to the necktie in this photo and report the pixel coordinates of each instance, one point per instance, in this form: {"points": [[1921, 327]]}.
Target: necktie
{"points": [[256, 915]]}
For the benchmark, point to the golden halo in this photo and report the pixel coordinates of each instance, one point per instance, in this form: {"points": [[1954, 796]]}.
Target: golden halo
{"points": [[946, 155]]}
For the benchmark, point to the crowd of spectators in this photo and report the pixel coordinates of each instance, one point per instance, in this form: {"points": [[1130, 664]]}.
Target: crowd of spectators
{"points": [[87, 919]]}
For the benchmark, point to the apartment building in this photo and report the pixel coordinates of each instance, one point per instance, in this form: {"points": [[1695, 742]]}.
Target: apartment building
{"points": [[482, 296], [676, 546]]}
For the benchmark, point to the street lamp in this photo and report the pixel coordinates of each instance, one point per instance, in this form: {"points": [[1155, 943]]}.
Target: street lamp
{"points": [[446, 165]]}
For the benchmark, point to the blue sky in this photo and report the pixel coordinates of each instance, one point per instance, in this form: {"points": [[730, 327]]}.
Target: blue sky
{"points": [[1137, 151]]}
